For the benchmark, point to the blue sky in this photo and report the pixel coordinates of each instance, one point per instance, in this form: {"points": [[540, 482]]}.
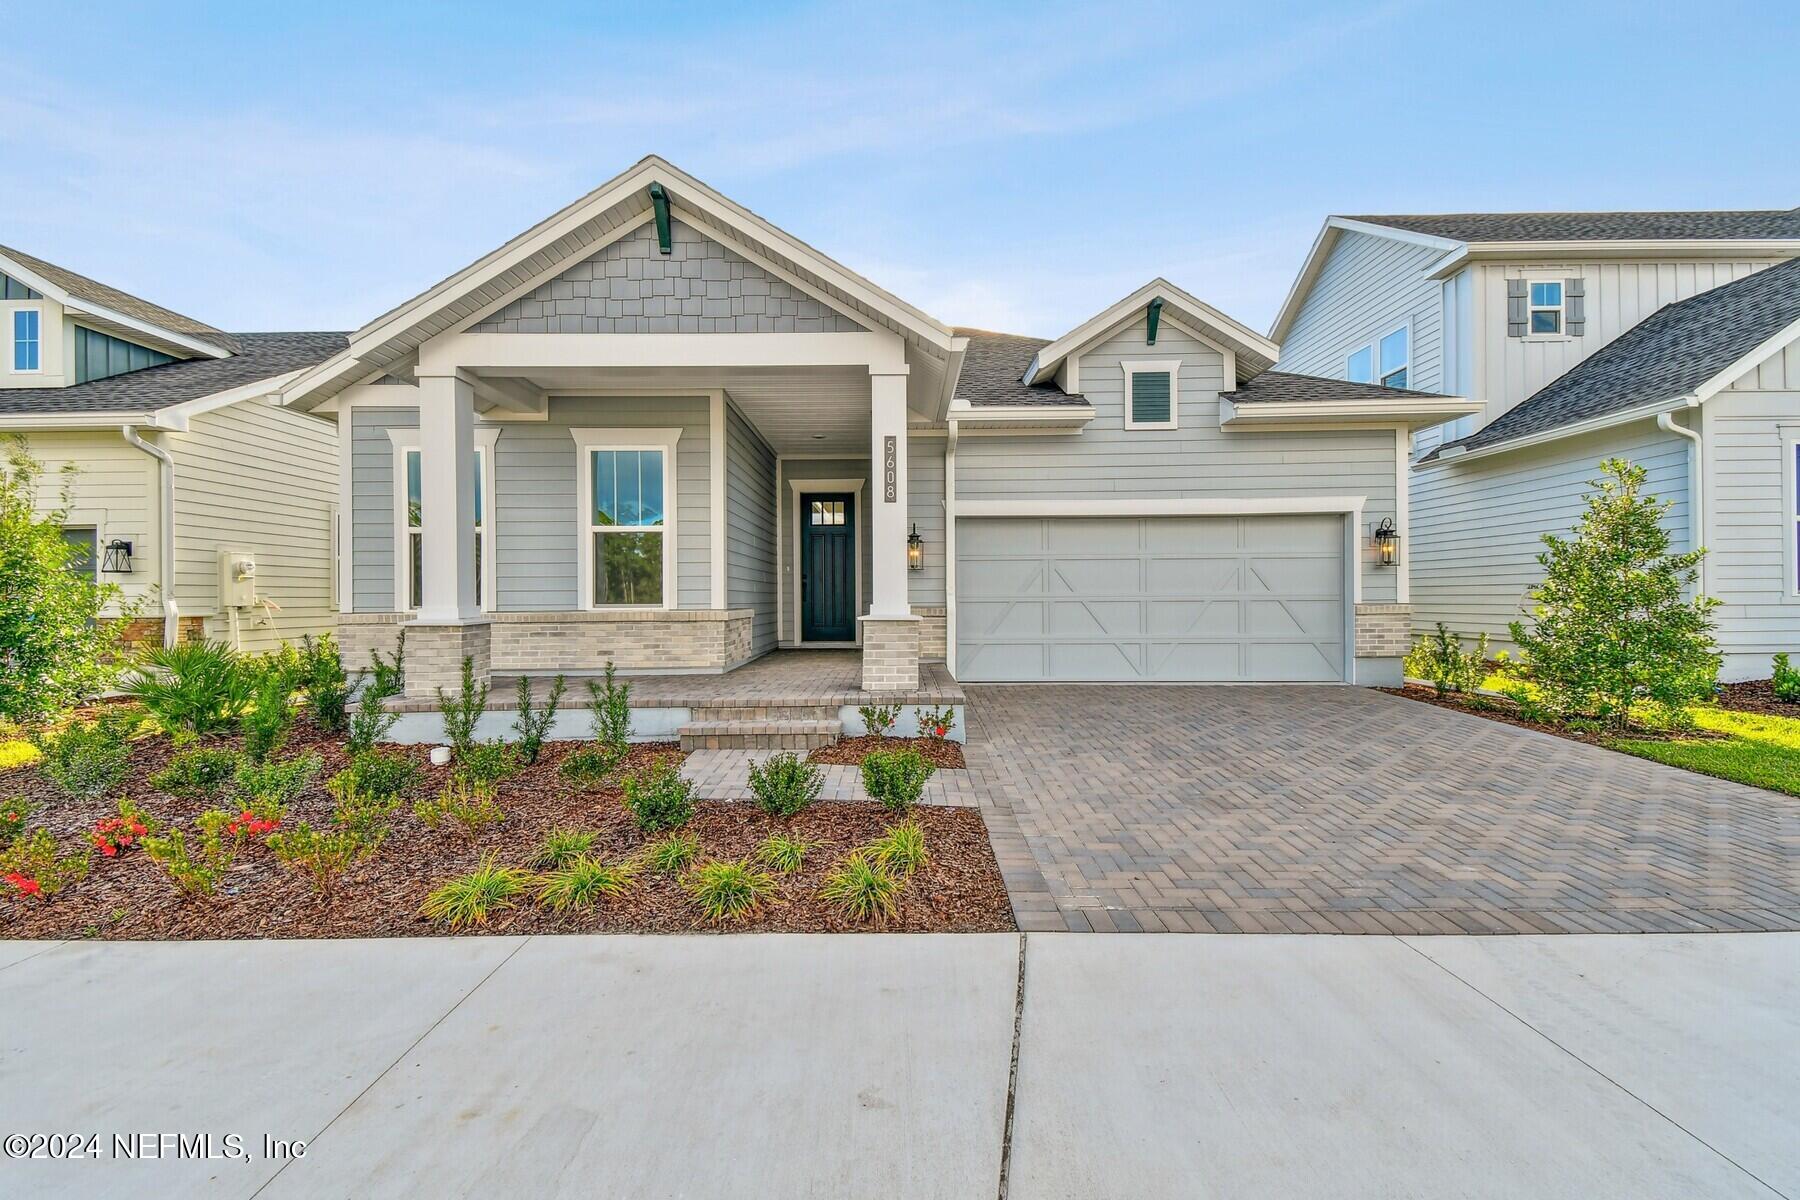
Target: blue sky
{"points": [[308, 166]]}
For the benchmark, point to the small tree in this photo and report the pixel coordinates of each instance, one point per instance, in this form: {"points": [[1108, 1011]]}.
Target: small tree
{"points": [[1613, 628], [55, 649]]}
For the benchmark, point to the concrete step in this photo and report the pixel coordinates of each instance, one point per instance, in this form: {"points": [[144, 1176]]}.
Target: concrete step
{"points": [[775, 711], [760, 735]]}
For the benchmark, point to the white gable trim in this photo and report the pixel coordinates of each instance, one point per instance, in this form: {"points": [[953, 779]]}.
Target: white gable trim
{"points": [[101, 314], [1195, 316], [1323, 244]]}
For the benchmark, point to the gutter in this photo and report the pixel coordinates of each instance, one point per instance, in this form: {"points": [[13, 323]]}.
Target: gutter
{"points": [[1696, 484], [165, 534]]}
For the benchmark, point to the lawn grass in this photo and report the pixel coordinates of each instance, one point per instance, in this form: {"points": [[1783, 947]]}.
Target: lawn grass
{"points": [[1763, 751]]}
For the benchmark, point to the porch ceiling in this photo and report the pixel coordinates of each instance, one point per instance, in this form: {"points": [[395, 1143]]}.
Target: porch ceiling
{"points": [[811, 410]]}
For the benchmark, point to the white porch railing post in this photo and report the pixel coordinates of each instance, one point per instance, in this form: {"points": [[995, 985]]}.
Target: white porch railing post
{"points": [[447, 500]]}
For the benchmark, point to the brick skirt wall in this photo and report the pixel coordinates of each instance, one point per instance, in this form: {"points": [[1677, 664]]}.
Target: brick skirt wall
{"points": [[1383, 630], [932, 633], [547, 642]]}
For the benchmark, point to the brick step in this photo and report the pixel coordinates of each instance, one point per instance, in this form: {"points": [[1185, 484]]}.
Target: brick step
{"points": [[777, 711], [759, 735]]}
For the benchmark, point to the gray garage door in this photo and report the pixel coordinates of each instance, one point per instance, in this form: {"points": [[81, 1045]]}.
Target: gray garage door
{"points": [[1168, 599]]}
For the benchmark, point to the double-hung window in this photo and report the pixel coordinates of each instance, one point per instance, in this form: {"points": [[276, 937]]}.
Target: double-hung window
{"points": [[1152, 394], [27, 344], [1360, 366], [1396, 357], [1545, 314], [1790, 449], [627, 509], [412, 514]]}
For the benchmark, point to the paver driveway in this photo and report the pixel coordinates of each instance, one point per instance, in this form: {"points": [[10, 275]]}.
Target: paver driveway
{"points": [[1339, 809]]}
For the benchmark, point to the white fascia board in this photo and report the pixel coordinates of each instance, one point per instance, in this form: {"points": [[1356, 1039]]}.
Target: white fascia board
{"points": [[48, 422], [1579, 250], [1321, 250], [525, 351], [1197, 312], [1346, 412], [1073, 416], [1221, 506], [1576, 429]]}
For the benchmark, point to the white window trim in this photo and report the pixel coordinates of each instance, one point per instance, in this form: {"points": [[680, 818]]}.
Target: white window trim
{"points": [[1790, 507], [1560, 308], [1374, 360], [1404, 366], [586, 442], [12, 339], [406, 441], [1171, 366]]}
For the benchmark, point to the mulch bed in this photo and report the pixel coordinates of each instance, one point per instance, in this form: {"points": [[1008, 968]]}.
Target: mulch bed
{"points": [[1756, 696], [130, 897], [1504, 711], [850, 752]]}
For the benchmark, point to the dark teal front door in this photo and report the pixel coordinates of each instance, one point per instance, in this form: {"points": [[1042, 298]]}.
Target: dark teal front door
{"points": [[827, 567]]}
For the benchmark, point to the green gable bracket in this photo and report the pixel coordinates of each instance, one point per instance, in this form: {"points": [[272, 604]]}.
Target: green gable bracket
{"points": [[660, 199], [1152, 316]]}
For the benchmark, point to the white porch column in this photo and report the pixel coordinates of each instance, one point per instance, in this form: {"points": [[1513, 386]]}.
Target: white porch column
{"points": [[890, 632], [887, 463], [450, 625]]}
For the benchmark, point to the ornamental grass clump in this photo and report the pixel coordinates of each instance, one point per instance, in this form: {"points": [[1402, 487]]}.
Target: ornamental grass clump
{"points": [[727, 891], [784, 855], [659, 799], [200, 774], [583, 882], [784, 784], [896, 778], [861, 889], [560, 847], [900, 848], [471, 899], [671, 855]]}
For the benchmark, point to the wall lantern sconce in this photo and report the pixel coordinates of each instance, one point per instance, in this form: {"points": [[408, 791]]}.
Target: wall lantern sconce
{"points": [[117, 559], [915, 550], [1387, 542]]}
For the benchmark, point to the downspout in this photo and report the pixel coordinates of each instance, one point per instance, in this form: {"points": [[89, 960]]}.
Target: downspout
{"points": [[1696, 484], [165, 533], [950, 552]]}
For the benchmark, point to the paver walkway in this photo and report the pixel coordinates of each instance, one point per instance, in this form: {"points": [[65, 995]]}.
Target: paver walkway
{"points": [[1339, 809], [725, 775]]}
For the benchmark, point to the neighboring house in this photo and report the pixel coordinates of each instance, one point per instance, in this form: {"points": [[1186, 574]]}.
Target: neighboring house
{"points": [[209, 506], [656, 430], [1665, 338]]}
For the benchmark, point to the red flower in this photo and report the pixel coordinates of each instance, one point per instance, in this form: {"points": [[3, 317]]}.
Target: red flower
{"points": [[940, 731], [109, 850], [25, 885]]}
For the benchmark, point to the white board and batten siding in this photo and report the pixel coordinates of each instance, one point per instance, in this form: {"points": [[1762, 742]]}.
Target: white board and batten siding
{"points": [[1477, 525], [1753, 564], [258, 478]]}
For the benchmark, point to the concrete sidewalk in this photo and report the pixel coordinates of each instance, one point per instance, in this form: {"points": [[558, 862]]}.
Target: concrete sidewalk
{"points": [[879, 1066]]}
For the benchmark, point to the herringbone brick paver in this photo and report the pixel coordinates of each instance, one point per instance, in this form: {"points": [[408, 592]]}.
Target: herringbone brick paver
{"points": [[1337, 809]]}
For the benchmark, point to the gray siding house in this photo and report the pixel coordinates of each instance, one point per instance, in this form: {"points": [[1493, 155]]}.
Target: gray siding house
{"points": [[1664, 338], [657, 431]]}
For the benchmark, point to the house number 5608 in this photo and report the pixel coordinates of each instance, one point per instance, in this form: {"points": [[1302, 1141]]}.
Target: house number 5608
{"points": [[890, 477]]}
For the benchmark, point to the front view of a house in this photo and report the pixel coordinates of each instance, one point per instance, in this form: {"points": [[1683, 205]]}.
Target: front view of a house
{"points": [[656, 431]]}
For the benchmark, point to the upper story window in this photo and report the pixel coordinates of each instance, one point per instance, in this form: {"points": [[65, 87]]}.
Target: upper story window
{"points": [[1546, 307], [1360, 366], [25, 339], [1396, 357], [1152, 394]]}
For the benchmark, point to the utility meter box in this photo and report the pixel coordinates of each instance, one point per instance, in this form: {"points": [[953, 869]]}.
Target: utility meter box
{"points": [[237, 579]]}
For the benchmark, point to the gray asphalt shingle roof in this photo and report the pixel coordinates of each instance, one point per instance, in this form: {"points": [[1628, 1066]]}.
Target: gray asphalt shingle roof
{"points": [[993, 367], [92, 290], [259, 356], [1665, 356], [1596, 226], [1284, 387]]}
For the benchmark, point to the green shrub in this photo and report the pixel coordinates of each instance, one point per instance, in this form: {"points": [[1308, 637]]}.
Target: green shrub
{"points": [[561, 847], [671, 855], [323, 854], [609, 708], [463, 712], [726, 891], [900, 849], [375, 773], [1441, 659], [896, 778], [469, 804], [1785, 681], [659, 799], [32, 864], [485, 763], [383, 680], [879, 718], [582, 882], [201, 774], [1526, 700], [193, 687], [861, 890], [322, 677], [56, 648], [270, 717], [784, 855], [784, 784], [470, 899], [387, 676], [267, 788], [532, 723], [14, 813], [937, 722], [86, 759], [197, 866], [591, 766], [1614, 634]]}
